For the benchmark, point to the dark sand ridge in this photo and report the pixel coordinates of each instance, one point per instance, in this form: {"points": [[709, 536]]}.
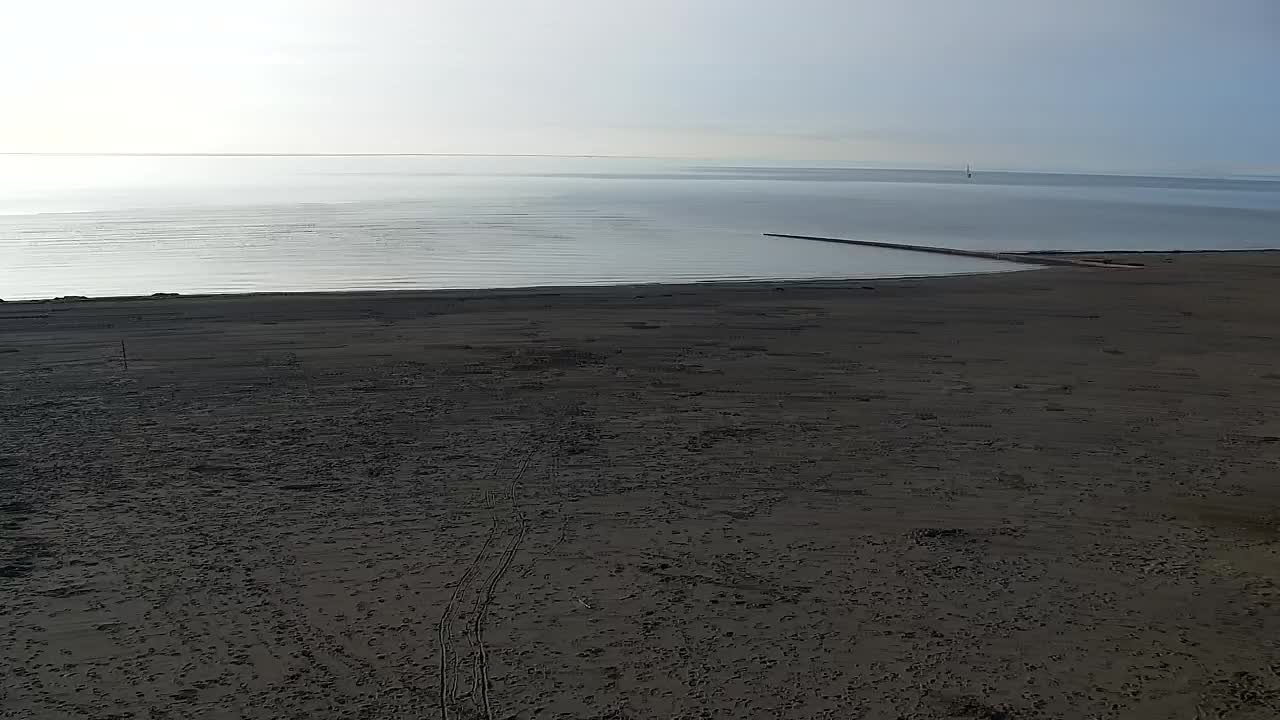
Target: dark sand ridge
{"points": [[1048, 494]]}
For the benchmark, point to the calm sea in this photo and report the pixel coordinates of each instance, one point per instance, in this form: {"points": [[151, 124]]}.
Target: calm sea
{"points": [[137, 225]]}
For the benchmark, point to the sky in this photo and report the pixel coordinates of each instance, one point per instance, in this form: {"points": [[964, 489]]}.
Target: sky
{"points": [[1189, 86]]}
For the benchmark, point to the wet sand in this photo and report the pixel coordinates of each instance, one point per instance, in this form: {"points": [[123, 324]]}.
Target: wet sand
{"points": [[1046, 494]]}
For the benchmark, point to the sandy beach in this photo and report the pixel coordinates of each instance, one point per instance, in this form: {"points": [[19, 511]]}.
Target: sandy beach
{"points": [[1042, 494]]}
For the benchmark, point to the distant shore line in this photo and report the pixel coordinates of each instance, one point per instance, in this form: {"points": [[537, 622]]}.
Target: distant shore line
{"points": [[334, 154], [728, 162]]}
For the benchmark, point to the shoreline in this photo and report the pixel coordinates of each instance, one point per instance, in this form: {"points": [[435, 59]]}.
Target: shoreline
{"points": [[834, 283], [1021, 494], [516, 292]]}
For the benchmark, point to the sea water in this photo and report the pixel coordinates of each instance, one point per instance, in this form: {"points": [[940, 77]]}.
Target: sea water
{"points": [[129, 225]]}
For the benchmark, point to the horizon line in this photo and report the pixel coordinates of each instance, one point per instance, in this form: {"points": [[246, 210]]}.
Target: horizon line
{"points": [[848, 164], [328, 154]]}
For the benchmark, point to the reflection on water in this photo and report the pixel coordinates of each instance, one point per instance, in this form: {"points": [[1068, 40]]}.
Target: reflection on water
{"points": [[137, 225]]}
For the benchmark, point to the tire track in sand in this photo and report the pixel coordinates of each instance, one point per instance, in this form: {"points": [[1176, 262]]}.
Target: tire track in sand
{"points": [[444, 628], [448, 689], [486, 599]]}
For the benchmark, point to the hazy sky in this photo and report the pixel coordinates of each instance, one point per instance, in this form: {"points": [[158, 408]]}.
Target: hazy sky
{"points": [[1164, 85]]}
